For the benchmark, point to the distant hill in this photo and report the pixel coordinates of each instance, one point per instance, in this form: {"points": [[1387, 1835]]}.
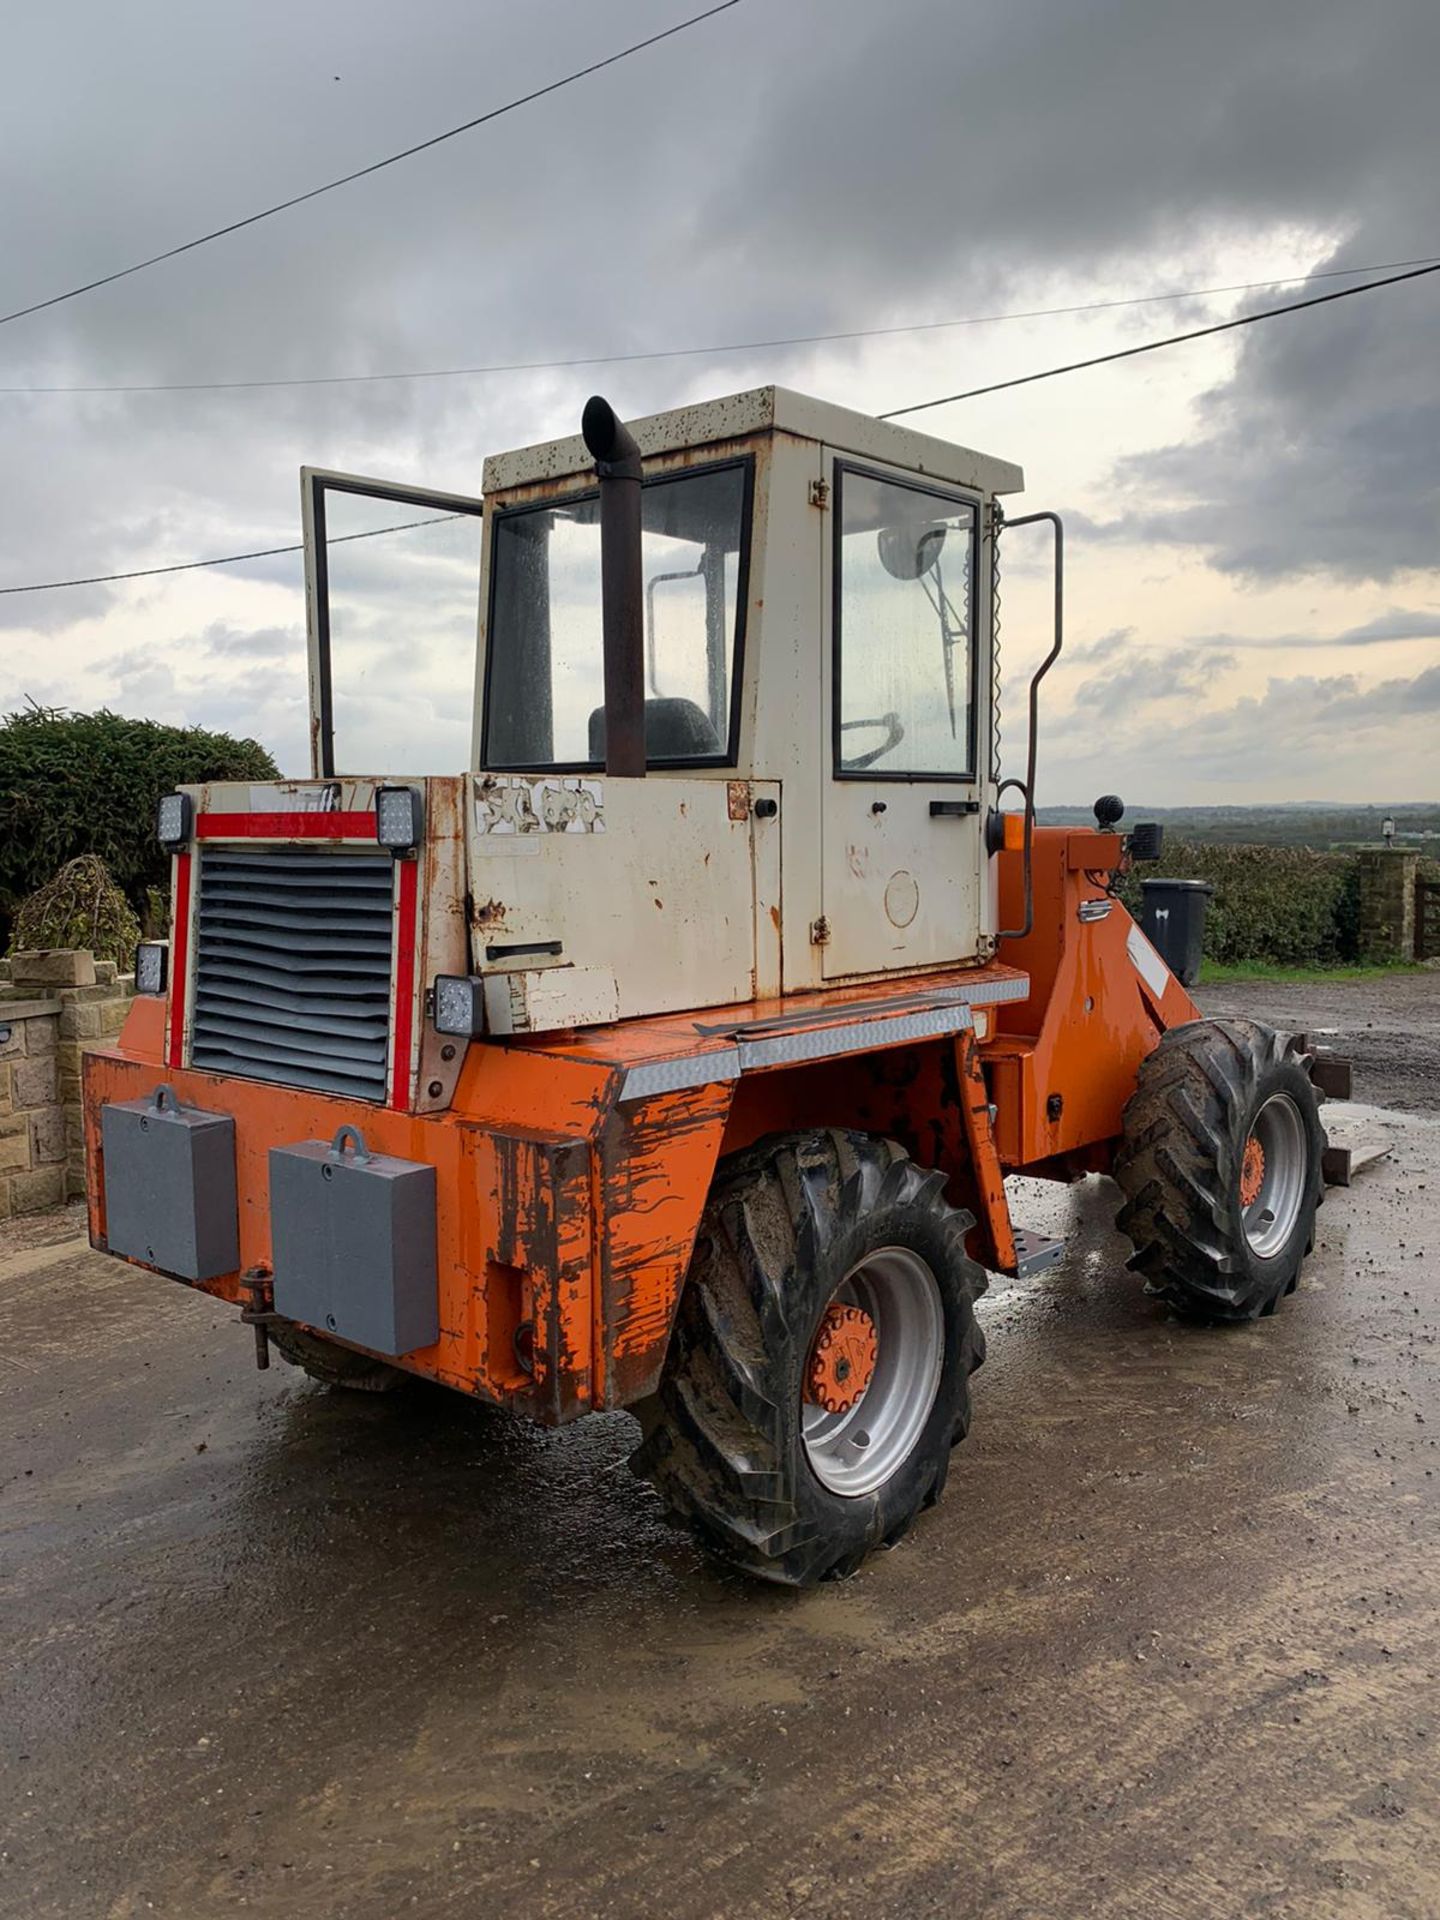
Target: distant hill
{"points": [[1300, 823]]}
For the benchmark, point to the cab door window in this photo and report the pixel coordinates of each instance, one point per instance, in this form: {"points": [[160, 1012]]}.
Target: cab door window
{"points": [[904, 630]]}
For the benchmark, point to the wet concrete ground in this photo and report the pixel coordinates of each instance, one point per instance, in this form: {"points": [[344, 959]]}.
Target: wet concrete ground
{"points": [[1168, 1647]]}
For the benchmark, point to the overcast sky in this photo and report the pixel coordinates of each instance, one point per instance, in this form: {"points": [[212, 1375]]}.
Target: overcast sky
{"points": [[1254, 609]]}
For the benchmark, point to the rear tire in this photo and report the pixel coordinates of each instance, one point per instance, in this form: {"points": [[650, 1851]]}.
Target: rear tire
{"points": [[798, 1230], [331, 1365], [1220, 1164]]}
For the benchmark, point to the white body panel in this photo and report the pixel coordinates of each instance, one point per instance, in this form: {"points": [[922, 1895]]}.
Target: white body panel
{"points": [[652, 881]]}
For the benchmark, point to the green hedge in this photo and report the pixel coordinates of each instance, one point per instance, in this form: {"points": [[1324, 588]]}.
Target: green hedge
{"points": [[1286, 905], [88, 783]]}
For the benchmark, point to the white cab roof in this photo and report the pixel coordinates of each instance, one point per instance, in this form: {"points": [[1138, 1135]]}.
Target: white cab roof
{"points": [[761, 410]]}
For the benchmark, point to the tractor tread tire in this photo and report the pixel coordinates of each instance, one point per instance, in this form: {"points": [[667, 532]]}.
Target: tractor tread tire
{"points": [[1178, 1165], [332, 1365], [784, 1220]]}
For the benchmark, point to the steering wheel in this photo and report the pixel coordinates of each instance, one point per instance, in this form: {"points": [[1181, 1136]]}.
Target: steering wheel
{"points": [[895, 731]]}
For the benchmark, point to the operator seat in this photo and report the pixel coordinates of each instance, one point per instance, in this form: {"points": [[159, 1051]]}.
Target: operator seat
{"points": [[675, 729]]}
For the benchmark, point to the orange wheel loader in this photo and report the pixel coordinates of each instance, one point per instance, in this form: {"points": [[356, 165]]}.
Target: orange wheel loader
{"points": [[674, 1056]]}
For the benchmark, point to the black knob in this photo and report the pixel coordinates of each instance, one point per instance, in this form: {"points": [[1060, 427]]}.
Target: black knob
{"points": [[1108, 809]]}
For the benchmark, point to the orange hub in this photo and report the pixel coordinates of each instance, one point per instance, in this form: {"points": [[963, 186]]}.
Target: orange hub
{"points": [[1252, 1172], [842, 1359]]}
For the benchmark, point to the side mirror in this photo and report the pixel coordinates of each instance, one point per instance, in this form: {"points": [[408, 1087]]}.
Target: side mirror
{"points": [[906, 554]]}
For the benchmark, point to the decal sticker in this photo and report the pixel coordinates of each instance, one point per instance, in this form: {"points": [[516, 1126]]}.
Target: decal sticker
{"points": [[509, 804]]}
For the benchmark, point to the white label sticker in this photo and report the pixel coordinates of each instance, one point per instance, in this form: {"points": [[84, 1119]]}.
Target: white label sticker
{"points": [[506, 805], [1147, 962]]}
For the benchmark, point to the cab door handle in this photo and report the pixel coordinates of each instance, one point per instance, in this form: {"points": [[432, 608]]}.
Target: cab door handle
{"points": [[952, 809]]}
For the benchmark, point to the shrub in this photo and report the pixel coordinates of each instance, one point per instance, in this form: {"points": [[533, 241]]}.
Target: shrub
{"points": [[80, 907], [88, 783], [1286, 905]]}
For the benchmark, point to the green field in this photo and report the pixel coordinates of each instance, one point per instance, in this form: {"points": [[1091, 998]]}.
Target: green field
{"points": [[1322, 824]]}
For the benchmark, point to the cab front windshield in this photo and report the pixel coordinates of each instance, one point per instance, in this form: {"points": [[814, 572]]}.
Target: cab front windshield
{"points": [[545, 677]]}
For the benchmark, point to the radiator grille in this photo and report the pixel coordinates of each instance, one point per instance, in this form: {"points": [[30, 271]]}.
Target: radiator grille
{"points": [[292, 968]]}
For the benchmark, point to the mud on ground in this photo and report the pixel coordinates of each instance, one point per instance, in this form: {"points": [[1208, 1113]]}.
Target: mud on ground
{"points": [[1388, 1027], [1168, 1646]]}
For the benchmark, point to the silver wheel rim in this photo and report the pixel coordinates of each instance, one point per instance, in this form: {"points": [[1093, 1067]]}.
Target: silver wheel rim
{"points": [[856, 1451], [1270, 1218]]}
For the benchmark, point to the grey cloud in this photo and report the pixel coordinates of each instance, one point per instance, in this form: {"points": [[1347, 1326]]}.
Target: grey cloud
{"points": [[1144, 679], [1396, 625], [222, 641], [1303, 736], [1103, 647], [783, 169]]}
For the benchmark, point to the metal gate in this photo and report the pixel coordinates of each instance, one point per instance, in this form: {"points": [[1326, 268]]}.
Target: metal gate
{"points": [[1427, 919]]}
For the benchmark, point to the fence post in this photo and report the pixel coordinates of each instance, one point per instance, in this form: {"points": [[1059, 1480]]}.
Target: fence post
{"points": [[1387, 904]]}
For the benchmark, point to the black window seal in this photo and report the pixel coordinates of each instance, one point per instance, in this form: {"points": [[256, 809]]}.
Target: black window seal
{"points": [[956, 496], [320, 485], [730, 755]]}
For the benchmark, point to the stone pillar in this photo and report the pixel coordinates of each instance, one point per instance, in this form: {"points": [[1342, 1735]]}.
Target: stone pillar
{"points": [[1387, 904], [86, 1001]]}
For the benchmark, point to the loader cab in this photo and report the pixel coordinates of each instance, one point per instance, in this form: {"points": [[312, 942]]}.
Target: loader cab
{"points": [[813, 641]]}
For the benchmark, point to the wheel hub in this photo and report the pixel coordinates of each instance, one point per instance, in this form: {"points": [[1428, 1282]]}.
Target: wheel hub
{"points": [[1252, 1172], [842, 1358]]}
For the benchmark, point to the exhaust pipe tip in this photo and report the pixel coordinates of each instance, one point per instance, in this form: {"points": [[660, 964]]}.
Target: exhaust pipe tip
{"points": [[609, 441]]}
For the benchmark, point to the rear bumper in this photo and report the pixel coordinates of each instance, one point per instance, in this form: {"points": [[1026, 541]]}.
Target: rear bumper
{"points": [[512, 1229]]}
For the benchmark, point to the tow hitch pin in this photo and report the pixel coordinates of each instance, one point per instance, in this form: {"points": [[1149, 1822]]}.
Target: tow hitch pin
{"points": [[257, 1283]]}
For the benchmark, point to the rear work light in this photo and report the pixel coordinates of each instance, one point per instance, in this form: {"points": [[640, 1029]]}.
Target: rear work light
{"points": [[399, 818], [459, 1005], [173, 819], [152, 966]]}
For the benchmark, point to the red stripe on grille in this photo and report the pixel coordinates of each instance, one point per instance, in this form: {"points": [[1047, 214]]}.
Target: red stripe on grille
{"points": [[285, 826], [179, 959], [409, 877]]}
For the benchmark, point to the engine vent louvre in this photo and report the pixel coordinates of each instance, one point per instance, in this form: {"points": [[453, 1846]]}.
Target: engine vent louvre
{"points": [[293, 966]]}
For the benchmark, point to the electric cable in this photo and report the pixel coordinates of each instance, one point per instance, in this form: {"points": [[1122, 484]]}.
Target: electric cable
{"points": [[1153, 346], [230, 559], [375, 166], [720, 347]]}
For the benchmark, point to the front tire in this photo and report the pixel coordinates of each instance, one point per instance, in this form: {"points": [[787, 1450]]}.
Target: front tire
{"points": [[818, 1373], [1220, 1164]]}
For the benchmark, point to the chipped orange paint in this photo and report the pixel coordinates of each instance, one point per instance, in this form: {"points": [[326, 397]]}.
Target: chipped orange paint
{"points": [[995, 1239], [564, 1208]]}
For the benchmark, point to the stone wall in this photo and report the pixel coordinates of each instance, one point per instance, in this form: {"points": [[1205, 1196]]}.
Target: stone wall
{"points": [[55, 1005]]}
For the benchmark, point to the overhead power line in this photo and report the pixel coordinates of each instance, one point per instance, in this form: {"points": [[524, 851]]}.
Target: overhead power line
{"points": [[230, 559], [375, 166], [919, 406], [722, 347], [1153, 346]]}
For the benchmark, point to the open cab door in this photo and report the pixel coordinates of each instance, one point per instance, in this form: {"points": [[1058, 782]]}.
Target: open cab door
{"points": [[392, 589]]}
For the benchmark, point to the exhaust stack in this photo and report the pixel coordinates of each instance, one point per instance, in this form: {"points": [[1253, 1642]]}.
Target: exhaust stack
{"points": [[617, 462]]}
